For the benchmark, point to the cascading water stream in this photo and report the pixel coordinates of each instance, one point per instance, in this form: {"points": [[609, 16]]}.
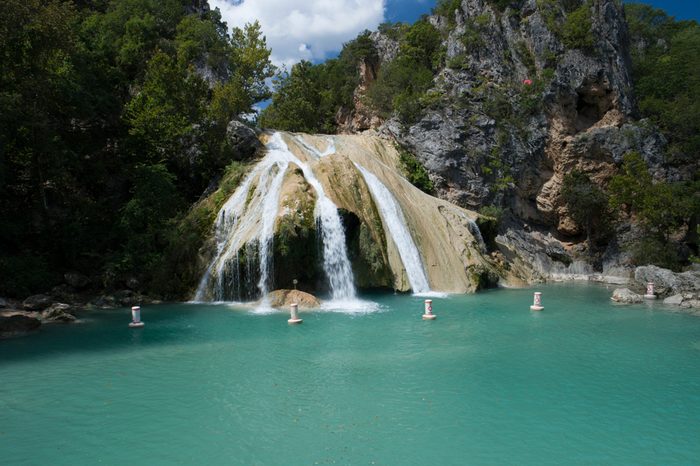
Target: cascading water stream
{"points": [[396, 224], [244, 218], [238, 221], [330, 149]]}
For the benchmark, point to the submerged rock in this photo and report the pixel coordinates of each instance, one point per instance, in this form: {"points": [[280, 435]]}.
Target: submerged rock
{"points": [[284, 298], [674, 300], [58, 312], [17, 323], [626, 296]]}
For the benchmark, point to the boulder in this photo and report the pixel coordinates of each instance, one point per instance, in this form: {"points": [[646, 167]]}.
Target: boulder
{"points": [[674, 300], [76, 280], [626, 296], [58, 312], [37, 302], [284, 298], [667, 282], [242, 140], [17, 324]]}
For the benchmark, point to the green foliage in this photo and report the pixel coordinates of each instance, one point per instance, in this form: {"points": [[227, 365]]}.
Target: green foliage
{"points": [[414, 171], [177, 270], [501, 5], [447, 9], [26, 274], [667, 82], [661, 208], [295, 104], [550, 11], [576, 31], [108, 128], [496, 169], [526, 56], [308, 98]]}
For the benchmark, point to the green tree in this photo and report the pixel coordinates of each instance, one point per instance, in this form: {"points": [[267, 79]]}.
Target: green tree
{"points": [[666, 59], [661, 208], [576, 32], [295, 102]]}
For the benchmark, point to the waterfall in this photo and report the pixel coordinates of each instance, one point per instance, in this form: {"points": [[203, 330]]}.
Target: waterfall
{"points": [[330, 149], [396, 224], [476, 233], [245, 217], [336, 264]]}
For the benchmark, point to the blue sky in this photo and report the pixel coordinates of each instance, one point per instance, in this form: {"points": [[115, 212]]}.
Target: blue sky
{"points": [[316, 29]]}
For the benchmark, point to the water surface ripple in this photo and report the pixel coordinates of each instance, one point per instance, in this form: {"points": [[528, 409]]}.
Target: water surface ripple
{"points": [[488, 383]]}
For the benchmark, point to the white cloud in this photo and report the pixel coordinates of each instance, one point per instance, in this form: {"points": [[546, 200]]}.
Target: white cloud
{"points": [[297, 29]]}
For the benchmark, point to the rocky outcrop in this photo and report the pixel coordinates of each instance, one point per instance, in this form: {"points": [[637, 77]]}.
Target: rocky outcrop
{"points": [[58, 312], [626, 296], [515, 111], [242, 140], [284, 298], [667, 282], [37, 302], [17, 323], [690, 301]]}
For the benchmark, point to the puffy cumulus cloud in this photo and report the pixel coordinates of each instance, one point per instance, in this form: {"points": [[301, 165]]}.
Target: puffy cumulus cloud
{"points": [[298, 29]]}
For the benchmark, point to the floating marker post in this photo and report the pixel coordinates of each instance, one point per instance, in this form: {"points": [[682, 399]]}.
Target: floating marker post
{"points": [[295, 315], [136, 317], [429, 310], [537, 304], [650, 291]]}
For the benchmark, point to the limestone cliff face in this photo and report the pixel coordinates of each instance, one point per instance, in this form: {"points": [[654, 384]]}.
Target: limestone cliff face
{"points": [[518, 110]]}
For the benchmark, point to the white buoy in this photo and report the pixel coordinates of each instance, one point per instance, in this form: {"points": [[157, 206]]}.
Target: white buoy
{"points": [[136, 317], [650, 291], [537, 304], [295, 315], [429, 310]]}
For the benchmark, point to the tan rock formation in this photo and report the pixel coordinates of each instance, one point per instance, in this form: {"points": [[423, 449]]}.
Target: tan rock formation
{"points": [[284, 298]]}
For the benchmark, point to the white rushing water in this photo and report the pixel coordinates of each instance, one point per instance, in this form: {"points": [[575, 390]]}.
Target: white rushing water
{"points": [[330, 148], [393, 219], [245, 217], [237, 221]]}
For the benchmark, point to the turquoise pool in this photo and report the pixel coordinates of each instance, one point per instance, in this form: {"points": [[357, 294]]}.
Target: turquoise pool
{"points": [[488, 383]]}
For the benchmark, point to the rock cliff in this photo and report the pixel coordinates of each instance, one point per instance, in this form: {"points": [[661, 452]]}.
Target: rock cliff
{"points": [[519, 105]]}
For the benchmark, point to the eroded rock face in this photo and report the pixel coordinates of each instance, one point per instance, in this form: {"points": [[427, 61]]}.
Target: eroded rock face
{"points": [[586, 121], [667, 282]]}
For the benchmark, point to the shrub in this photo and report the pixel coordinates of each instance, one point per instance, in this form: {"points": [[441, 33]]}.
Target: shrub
{"points": [[576, 31], [414, 171]]}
